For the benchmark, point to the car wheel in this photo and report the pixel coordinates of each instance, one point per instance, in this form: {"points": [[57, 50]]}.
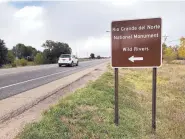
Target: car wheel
{"points": [[59, 65], [72, 64]]}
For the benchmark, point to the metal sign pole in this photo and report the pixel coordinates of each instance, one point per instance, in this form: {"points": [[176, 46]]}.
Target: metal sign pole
{"points": [[116, 120], [154, 98]]}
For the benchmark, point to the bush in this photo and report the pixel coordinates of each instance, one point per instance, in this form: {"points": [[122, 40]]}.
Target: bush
{"points": [[39, 59], [14, 64], [31, 63], [21, 62], [169, 55], [98, 57], [10, 57]]}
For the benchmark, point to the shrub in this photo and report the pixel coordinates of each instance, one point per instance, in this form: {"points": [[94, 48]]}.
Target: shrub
{"points": [[10, 57], [169, 55], [181, 52], [21, 62], [98, 57], [14, 64], [39, 59], [31, 63]]}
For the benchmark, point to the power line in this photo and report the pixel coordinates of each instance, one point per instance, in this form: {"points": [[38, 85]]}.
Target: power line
{"points": [[165, 38], [174, 40]]}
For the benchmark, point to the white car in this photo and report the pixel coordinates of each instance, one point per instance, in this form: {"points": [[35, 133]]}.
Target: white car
{"points": [[68, 60]]}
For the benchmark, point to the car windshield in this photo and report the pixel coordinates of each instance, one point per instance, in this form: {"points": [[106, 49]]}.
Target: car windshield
{"points": [[65, 56]]}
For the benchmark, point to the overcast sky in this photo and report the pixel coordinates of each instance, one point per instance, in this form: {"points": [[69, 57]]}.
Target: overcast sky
{"points": [[83, 24]]}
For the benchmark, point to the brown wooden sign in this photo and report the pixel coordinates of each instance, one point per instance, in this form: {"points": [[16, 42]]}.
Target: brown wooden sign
{"points": [[136, 43]]}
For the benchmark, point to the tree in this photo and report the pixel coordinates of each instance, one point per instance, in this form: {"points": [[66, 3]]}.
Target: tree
{"points": [[182, 41], [92, 55], [49, 44], [54, 49], [10, 57], [181, 50], [19, 50], [39, 58], [22, 51], [47, 56], [98, 57], [3, 52], [30, 53], [169, 54]]}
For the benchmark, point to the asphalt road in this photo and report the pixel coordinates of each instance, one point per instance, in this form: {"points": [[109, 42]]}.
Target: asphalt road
{"points": [[15, 81]]}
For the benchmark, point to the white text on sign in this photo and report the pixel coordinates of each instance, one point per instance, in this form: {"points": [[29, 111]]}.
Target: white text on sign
{"points": [[135, 49]]}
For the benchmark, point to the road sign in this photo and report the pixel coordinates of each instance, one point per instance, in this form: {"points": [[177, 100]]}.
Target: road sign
{"points": [[136, 43]]}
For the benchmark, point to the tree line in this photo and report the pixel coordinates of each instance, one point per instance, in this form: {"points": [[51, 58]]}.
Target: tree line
{"points": [[21, 54], [176, 52]]}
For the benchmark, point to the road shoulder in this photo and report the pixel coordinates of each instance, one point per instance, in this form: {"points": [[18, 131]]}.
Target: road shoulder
{"points": [[34, 101]]}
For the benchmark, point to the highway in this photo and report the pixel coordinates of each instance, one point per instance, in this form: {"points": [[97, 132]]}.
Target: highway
{"points": [[16, 80]]}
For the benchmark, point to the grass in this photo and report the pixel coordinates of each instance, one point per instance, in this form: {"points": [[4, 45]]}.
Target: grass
{"points": [[29, 63], [83, 59], [6, 66], [89, 112]]}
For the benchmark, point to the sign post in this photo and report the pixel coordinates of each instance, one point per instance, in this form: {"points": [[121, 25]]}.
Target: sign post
{"points": [[137, 44], [116, 120], [154, 98]]}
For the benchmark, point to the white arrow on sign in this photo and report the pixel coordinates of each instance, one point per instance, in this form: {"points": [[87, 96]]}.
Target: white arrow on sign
{"points": [[132, 58]]}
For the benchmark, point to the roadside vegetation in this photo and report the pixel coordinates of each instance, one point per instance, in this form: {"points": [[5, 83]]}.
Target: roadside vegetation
{"points": [[22, 55], [89, 112], [177, 52]]}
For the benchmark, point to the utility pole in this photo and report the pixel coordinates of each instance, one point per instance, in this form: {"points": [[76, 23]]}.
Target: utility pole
{"points": [[165, 38]]}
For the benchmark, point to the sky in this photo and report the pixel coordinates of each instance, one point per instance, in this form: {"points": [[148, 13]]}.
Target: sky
{"points": [[83, 24]]}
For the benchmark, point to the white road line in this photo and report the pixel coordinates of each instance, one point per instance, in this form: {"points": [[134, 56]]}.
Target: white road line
{"points": [[37, 68], [43, 77], [26, 70], [36, 79]]}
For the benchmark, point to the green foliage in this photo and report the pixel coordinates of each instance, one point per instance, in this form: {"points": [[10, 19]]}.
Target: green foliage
{"points": [[31, 63], [89, 112], [10, 56], [27, 53], [169, 54], [181, 52], [14, 64], [164, 46], [53, 50], [3, 52], [47, 56], [19, 50], [39, 59], [21, 62], [22, 51], [92, 55]]}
